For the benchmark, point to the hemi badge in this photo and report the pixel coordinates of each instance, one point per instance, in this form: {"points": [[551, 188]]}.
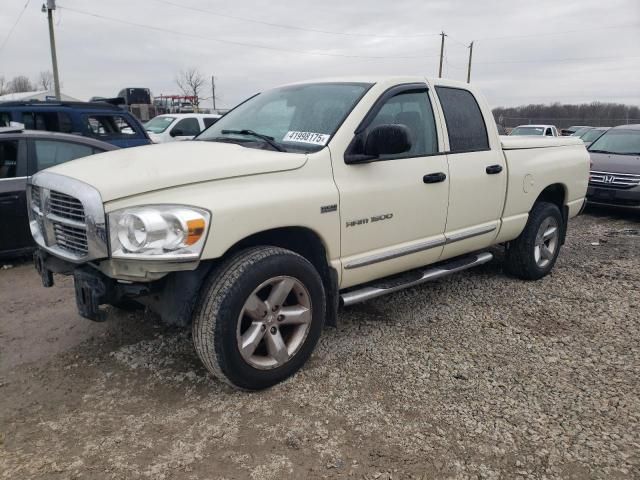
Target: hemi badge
{"points": [[329, 208]]}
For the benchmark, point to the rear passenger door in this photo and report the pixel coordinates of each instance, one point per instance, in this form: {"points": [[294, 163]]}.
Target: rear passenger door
{"points": [[14, 221], [478, 177]]}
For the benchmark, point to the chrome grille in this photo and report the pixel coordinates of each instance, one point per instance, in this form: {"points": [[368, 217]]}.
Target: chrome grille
{"points": [[71, 238], [66, 217], [66, 206], [614, 180]]}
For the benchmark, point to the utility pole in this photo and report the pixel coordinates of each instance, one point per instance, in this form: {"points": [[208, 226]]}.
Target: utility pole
{"points": [[441, 54], [469, 67], [49, 8], [213, 92]]}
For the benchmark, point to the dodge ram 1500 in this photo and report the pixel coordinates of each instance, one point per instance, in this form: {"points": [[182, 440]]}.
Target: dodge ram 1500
{"points": [[302, 199]]}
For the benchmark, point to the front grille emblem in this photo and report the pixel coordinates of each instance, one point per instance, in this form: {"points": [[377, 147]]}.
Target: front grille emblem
{"points": [[609, 179]]}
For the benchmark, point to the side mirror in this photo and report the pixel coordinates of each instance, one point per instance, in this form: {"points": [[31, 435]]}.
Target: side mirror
{"points": [[176, 132], [388, 139]]}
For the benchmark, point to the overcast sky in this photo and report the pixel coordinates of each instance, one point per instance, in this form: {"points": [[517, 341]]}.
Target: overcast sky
{"points": [[549, 50]]}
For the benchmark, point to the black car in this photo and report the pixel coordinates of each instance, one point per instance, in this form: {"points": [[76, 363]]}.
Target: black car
{"points": [[23, 153]]}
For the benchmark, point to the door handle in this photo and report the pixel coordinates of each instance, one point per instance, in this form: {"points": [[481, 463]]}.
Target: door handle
{"points": [[434, 177], [493, 169]]}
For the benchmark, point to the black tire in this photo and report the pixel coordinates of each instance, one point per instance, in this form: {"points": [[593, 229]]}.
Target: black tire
{"points": [[220, 304], [520, 258]]}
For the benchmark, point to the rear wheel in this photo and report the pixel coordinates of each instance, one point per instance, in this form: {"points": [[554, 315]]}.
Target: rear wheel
{"points": [[533, 254], [259, 317]]}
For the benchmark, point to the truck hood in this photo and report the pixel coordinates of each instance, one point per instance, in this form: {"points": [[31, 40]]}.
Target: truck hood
{"points": [[612, 163], [132, 171]]}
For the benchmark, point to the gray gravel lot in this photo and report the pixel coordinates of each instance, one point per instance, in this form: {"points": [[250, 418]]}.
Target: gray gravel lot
{"points": [[476, 376]]}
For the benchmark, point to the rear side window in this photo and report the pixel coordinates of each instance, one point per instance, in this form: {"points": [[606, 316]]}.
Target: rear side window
{"points": [[50, 153], [187, 127], [8, 158], [109, 126], [209, 121], [47, 121], [5, 119], [466, 127]]}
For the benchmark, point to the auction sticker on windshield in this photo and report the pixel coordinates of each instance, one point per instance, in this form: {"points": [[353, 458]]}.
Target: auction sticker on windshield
{"points": [[306, 137]]}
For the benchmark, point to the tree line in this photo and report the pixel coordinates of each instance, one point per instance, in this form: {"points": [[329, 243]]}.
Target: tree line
{"points": [[565, 115], [22, 83]]}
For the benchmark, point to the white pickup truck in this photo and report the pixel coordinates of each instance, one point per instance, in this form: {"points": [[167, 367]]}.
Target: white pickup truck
{"points": [[302, 199]]}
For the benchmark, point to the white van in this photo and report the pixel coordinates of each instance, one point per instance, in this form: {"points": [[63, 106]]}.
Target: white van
{"points": [[178, 126]]}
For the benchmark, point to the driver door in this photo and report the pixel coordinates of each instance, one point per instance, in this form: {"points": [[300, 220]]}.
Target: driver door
{"points": [[392, 214]]}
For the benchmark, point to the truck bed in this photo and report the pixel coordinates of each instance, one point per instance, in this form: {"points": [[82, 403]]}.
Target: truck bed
{"points": [[520, 142]]}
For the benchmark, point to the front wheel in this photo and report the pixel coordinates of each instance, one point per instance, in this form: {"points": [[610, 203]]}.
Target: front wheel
{"points": [[533, 254], [259, 317]]}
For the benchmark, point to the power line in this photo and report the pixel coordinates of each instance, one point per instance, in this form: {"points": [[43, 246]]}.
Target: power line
{"points": [[14, 25], [564, 32], [293, 27], [233, 42], [558, 60]]}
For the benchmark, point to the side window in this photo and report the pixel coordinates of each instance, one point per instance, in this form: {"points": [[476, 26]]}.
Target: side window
{"points": [[412, 109], [5, 119], [466, 127], [109, 126], [50, 152], [47, 121], [209, 121], [549, 133], [8, 158], [187, 127]]}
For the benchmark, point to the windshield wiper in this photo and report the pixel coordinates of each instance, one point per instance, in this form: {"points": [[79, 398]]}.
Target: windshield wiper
{"points": [[599, 151], [266, 138]]}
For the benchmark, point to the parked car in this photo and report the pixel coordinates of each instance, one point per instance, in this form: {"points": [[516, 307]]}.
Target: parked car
{"points": [[592, 134], [99, 120], [178, 126], [256, 231], [545, 130], [573, 129], [581, 131], [615, 170], [23, 153]]}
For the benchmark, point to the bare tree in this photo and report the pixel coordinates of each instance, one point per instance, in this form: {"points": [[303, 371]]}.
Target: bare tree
{"points": [[44, 80], [191, 82], [20, 84]]}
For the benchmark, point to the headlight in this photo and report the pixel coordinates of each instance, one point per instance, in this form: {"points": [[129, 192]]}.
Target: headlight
{"points": [[171, 232]]}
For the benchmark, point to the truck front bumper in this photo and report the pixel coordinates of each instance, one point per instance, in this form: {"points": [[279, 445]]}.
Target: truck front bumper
{"points": [[616, 197], [92, 287]]}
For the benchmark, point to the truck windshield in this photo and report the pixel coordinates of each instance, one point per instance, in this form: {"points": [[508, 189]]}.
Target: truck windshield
{"points": [[158, 124], [527, 131], [620, 142], [294, 118]]}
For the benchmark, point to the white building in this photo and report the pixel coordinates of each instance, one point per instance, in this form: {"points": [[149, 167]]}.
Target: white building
{"points": [[42, 95]]}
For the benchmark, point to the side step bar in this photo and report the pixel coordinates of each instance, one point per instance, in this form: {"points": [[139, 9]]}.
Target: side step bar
{"points": [[410, 279]]}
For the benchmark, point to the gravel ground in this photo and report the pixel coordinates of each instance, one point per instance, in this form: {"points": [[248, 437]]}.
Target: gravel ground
{"points": [[476, 376]]}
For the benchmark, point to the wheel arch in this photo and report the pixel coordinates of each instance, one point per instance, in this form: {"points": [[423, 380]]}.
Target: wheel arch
{"points": [[307, 243], [556, 194]]}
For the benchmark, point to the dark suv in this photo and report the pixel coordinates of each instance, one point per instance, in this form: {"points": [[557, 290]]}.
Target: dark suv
{"points": [[615, 170], [98, 120]]}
